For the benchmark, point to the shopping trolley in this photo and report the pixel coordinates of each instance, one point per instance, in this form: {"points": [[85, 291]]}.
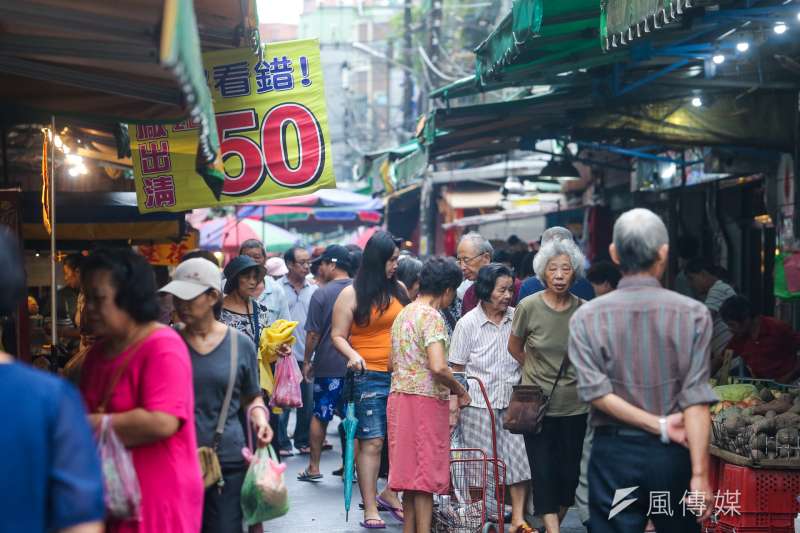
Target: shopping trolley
{"points": [[474, 501]]}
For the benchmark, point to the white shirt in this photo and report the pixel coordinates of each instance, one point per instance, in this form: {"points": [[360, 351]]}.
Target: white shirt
{"points": [[482, 346], [298, 310]]}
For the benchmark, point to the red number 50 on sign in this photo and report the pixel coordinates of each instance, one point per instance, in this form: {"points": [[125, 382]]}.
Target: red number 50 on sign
{"points": [[271, 157]]}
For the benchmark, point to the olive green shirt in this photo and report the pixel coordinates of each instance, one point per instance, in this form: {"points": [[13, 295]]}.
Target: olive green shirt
{"points": [[545, 332]]}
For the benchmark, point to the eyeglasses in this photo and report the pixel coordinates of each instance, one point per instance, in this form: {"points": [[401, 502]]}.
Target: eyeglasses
{"points": [[462, 260]]}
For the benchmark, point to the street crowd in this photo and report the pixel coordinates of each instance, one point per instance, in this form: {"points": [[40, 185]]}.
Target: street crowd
{"points": [[623, 362]]}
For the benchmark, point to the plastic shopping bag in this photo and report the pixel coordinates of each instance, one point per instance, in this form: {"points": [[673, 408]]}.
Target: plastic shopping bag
{"points": [[287, 384], [270, 339], [264, 494], [121, 486]]}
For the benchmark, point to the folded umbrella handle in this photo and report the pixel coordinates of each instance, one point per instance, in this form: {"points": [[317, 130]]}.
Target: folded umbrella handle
{"points": [[250, 425]]}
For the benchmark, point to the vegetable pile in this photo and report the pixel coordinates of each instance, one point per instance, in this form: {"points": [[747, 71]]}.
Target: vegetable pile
{"points": [[757, 424]]}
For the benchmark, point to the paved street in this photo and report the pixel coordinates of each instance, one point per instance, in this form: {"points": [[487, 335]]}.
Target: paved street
{"points": [[319, 506]]}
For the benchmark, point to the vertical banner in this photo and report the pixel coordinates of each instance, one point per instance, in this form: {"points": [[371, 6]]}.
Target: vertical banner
{"points": [[273, 129]]}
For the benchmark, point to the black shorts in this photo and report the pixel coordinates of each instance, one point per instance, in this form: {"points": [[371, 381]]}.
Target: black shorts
{"points": [[555, 459]]}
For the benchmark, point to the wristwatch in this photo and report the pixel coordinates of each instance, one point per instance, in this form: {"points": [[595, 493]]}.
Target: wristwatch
{"points": [[662, 425]]}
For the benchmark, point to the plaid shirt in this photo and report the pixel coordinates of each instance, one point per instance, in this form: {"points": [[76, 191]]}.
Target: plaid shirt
{"points": [[648, 345]]}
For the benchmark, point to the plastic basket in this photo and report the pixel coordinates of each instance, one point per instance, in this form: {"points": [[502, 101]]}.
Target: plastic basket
{"points": [[758, 523], [762, 491]]}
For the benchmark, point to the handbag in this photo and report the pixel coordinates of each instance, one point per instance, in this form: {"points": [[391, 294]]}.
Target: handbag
{"points": [[528, 406], [209, 460]]}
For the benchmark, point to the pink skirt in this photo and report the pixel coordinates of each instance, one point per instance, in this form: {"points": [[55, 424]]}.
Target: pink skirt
{"points": [[419, 443]]}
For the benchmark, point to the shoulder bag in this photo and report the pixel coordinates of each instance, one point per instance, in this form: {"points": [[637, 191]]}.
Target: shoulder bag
{"points": [[209, 460], [528, 406]]}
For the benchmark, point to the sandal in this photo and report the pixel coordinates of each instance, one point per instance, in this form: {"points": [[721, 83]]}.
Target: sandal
{"points": [[373, 523], [285, 453], [524, 528], [305, 475], [304, 450], [394, 511]]}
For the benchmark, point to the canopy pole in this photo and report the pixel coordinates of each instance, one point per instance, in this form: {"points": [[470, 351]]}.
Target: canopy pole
{"points": [[53, 296]]}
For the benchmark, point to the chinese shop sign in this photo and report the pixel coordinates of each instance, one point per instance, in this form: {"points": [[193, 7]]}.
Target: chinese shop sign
{"points": [[273, 129]]}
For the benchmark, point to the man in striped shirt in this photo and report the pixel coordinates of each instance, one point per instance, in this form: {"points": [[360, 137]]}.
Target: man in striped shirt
{"points": [[641, 355]]}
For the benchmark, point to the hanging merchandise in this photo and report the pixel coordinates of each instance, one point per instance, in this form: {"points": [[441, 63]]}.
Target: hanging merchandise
{"points": [[787, 276]]}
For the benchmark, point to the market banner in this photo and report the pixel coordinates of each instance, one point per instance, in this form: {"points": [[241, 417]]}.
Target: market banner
{"points": [[273, 130]]}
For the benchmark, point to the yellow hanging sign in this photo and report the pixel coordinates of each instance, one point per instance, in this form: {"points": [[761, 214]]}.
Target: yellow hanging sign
{"points": [[273, 129]]}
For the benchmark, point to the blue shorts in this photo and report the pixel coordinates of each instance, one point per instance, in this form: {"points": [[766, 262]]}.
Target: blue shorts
{"points": [[371, 392], [327, 392]]}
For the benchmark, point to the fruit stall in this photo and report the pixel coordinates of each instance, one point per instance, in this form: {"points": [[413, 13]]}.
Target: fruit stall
{"points": [[755, 467]]}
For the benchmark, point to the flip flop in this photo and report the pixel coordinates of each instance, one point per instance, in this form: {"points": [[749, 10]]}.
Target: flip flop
{"points": [[285, 453], [304, 450], [373, 523], [306, 476], [525, 528], [380, 506], [392, 510]]}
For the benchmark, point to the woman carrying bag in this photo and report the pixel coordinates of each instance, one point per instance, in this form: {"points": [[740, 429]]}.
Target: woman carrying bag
{"points": [[225, 370]]}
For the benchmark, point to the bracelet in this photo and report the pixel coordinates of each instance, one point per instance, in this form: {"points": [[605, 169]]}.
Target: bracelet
{"points": [[662, 425]]}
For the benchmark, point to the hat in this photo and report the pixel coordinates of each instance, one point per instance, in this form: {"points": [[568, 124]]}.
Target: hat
{"points": [[237, 266], [336, 254], [192, 278], [276, 267]]}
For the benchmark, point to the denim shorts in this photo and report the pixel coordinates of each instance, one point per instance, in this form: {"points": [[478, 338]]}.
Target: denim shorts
{"points": [[371, 392], [327, 392]]}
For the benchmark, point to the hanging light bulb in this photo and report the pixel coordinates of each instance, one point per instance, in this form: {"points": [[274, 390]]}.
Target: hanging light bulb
{"points": [[73, 172], [74, 159], [58, 142], [718, 59], [697, 101], [780, 28], [742, 46]]}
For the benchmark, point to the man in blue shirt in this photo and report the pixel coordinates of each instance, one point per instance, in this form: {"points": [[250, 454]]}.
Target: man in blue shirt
{"points": [[581, 288]]}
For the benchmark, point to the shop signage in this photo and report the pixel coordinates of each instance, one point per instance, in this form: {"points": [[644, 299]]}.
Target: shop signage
{"points": [[273, 129]]}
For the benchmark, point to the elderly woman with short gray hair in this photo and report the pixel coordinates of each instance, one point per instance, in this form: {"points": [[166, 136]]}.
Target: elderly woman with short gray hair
{"points": [[539, 337]]}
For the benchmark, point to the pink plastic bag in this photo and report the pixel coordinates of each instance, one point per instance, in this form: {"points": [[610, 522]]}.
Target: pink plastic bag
{"points": [[121, 486], [287, 384]]}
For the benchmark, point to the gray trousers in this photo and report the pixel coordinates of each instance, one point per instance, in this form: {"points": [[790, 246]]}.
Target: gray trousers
{"points": [[582, 493]]}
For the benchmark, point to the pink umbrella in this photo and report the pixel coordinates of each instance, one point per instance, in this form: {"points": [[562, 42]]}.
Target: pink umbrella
{"points": [[228, 234]]}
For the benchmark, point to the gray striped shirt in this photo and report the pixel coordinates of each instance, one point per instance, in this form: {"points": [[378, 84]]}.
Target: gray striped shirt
{"points": [[482, 346], [646, 344]]}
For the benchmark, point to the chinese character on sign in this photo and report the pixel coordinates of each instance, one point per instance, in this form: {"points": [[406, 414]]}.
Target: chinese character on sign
{"points": [[232, 80], [159, 192], [693, 502], [727, 503], [148, 132], [659, 504], [154, 157], [276, 75]]}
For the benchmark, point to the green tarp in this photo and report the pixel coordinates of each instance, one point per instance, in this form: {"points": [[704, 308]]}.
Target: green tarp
{"points": [[625, 20]]}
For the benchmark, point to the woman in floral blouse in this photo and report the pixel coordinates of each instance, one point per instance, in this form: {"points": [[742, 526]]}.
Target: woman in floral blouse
{"points": [[418, 407]]}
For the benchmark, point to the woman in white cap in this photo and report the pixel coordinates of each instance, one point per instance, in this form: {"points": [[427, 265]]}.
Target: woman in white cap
{"points": [[214, 348]]}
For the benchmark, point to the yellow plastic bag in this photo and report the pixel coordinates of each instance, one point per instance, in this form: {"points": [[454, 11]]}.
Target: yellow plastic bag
{"points": [[278, 333]]}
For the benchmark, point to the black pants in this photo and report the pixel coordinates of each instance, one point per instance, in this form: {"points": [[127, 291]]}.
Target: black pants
{"points": [[222, 511], [555, 459], [661, 473]]}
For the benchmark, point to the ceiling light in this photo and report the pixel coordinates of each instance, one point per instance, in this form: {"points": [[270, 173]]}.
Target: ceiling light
{"points": [[561, 170], [780, 28], [58, 142], [82, 168], [74, 159], [798, 16], [697, 101], [718, 59], [65, 149], [73, 172], [742, 46]]}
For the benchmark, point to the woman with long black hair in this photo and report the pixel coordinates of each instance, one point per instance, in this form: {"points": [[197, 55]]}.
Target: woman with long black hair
{"points": [[362, 322]]}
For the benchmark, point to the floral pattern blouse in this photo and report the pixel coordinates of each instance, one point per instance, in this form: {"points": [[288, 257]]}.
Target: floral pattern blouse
{"points": [[246, 324], [416, 327]]}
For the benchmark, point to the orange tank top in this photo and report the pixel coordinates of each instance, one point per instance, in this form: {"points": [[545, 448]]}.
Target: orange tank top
{"points": [[374, 341]]}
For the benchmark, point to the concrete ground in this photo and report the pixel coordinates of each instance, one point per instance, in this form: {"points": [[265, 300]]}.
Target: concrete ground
{"points": [[319, 507]]}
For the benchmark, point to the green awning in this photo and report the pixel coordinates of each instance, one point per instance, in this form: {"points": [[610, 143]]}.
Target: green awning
{"points": [[538, 42], [379, 168], [625, 20], [409, 169]]}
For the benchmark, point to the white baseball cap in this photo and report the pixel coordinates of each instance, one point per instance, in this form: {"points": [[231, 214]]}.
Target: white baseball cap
{"points": [[192, 278]]}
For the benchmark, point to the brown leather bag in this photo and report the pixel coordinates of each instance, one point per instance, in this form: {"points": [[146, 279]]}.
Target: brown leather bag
{"points": [[528, 406]]}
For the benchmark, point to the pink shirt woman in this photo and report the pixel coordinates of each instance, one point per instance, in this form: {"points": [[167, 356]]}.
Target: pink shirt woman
{"points": [[152, 404]]}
